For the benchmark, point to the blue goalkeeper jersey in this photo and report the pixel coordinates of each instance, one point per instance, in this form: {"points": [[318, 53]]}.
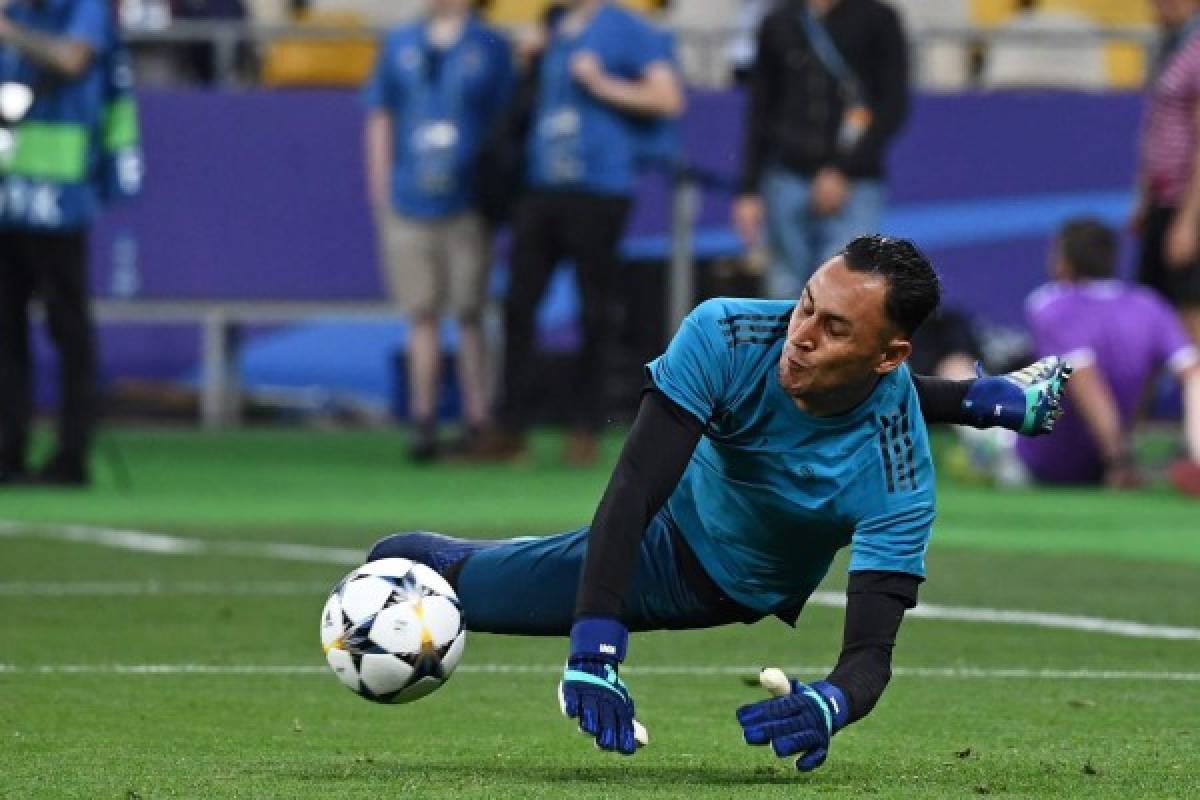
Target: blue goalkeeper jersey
{"points": [[771, 492]]}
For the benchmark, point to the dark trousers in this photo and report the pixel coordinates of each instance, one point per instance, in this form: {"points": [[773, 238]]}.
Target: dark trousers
{"points": [[550, 227], [52, 267], [528, 586], [1179, 285]]}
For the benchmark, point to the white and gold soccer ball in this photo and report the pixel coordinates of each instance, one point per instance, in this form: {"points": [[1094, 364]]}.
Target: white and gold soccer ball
{"points": [[392, 630]]}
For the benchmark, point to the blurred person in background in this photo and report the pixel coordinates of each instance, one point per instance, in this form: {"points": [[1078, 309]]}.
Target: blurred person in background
{"points": [[828, 92], [200, 59], [946, 346], [69, 142], [1118, 337], [504, 163], [604, 72], [743, 45], [1167, 213], [440, 85]]}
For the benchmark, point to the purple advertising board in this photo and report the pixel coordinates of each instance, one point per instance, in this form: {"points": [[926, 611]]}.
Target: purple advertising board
{"points": [[259, 195]]}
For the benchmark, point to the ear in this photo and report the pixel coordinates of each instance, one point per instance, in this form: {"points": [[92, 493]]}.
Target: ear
{"points": [[895, 353]]}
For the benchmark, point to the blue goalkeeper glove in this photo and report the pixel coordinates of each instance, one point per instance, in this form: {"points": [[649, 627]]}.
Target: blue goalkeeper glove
{"points": [[801, 718], [591, 691], [1028, 401]]}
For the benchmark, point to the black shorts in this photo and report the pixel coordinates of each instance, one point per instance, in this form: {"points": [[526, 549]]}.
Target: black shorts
{"points": [[1180, 286]]}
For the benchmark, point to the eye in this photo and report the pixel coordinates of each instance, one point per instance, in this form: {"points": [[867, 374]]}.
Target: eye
{"points": [[836, 330]]}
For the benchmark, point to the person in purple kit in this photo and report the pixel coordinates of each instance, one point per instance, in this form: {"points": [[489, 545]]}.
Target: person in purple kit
{"points": [[1118, 337]]}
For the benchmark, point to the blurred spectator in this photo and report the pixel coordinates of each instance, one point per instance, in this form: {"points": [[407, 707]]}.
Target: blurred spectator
{"points": [[1027, 55], [199, 59], [605, 71], [1168, 208], [828, 91], [1118, 337], [744, 46], [945, 346], [156, 63], [70, 141], [439, 86], [503, 164], [167, 63]]}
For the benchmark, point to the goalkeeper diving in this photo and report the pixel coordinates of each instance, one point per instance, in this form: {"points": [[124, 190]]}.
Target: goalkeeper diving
{"points": [[769, 436]]}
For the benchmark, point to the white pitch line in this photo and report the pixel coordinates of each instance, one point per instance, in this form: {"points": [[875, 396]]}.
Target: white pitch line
{"points": [[953, 673], [168, 545], [164, 544], [156, 587], [1038, 619]]}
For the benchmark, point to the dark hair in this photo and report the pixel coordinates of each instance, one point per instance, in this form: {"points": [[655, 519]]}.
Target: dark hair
{"points": [[913, 288], [1089, 247]]}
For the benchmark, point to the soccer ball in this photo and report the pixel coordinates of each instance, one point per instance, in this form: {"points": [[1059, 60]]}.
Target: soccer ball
{"points": [[392, 630]]}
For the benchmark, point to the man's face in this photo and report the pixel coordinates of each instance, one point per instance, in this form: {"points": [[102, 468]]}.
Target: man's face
{"points": [[839, 333], [1173, 13]]}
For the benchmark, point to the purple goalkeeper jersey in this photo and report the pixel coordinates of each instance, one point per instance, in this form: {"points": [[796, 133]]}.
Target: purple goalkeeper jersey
{"points": [[1126, 332]]}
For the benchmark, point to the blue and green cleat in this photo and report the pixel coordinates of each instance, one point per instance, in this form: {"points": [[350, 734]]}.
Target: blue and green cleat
{"points": [[1028, 401]]}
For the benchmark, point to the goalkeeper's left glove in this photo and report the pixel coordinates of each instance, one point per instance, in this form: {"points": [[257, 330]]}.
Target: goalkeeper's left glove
{"points": [[1028, 401], [801, 718], [591, 691]]}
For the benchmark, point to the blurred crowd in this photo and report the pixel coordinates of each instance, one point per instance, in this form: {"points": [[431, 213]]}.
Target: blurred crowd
{"points": [[959, 43], [470, 129], [593, 101]]}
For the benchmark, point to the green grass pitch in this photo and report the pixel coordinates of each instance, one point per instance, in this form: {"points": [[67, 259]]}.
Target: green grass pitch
{"points": [[976, 708]]}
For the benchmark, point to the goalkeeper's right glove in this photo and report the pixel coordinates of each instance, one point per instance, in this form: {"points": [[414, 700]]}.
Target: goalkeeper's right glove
{"points": [[591, 691]]}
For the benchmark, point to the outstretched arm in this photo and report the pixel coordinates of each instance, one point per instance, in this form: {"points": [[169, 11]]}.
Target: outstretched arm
{"points": [[651, 464], [1094, 400], [1185, 473], [1189, 379], [66, 56], [875, 606], [656, 93]]}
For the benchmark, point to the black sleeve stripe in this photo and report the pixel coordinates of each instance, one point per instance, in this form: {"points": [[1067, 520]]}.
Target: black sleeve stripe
{"points": [[742, 328], [735, 318], [887, 458], [736, 339], [896, 448]]}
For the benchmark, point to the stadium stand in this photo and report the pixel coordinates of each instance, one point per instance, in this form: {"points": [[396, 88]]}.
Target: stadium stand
{"points": [[340, 61], [1124, 63], [939, 64], [950, 38], [221, 321], [522, 12], [1025, 58]]}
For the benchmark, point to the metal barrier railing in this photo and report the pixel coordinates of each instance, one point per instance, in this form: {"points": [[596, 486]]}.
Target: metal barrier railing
{"points": [[703, 53]]}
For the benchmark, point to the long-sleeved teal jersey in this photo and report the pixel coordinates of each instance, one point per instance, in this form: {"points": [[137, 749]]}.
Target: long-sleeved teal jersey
{"points": [[771, 492]]}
